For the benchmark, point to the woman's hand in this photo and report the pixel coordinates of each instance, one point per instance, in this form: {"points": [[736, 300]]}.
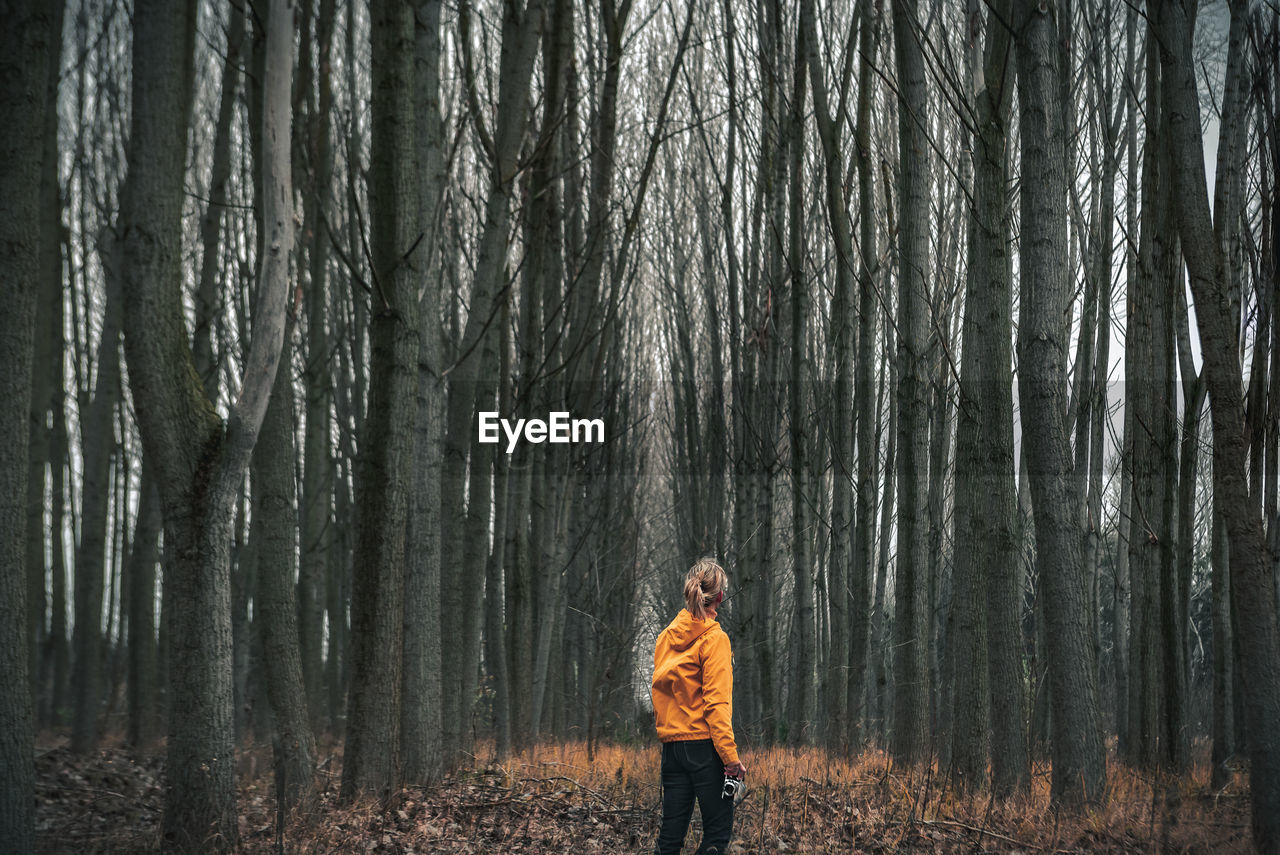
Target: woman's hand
{"points": [[735, 770]]}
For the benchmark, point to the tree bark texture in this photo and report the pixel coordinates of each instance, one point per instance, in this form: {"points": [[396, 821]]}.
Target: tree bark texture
{"points": [[24, 47], [911, 618], [1251, 563], [382, 487], [199, 462], [1079, 761]]}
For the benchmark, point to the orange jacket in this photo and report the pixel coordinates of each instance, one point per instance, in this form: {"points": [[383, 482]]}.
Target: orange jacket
{"points": [[693, 684]]}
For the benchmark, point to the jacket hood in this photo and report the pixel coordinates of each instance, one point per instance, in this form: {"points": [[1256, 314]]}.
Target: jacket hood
{"points": [[685, 629]]}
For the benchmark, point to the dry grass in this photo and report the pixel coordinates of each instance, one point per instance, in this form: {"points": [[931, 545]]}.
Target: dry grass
{"points": [[557, 798]]}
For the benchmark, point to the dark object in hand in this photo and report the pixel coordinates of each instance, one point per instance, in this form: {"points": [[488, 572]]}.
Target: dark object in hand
{"points": [[734, 788]]}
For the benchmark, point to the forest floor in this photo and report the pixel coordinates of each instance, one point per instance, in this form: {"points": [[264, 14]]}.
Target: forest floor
{"points": [[558, 799]]}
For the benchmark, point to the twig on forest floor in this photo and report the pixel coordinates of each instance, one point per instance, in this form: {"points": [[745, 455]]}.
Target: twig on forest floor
{"points": [[984, 832]]}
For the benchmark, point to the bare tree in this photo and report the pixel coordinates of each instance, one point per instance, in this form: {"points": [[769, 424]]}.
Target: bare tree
{"points": [[1079, 763], [1202, 232], [23, 98], [200, 461], [382, 487], [911, 618]]}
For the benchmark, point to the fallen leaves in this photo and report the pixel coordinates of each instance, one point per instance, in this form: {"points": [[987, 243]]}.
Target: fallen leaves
{"points": [[112, 802]]}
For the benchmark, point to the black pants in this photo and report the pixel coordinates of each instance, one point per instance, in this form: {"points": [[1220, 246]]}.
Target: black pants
{"points": [[693, 770]]}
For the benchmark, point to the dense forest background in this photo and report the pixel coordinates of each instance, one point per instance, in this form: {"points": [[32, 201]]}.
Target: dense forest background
{"points": [[950, 328]]}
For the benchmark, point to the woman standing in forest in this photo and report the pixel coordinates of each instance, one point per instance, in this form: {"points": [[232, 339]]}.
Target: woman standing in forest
{"points": [[693, 706]]}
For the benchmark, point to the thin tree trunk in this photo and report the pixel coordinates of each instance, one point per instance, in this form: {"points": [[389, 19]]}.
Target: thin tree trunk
{"points": [[863, 568], [804, 651], [316, 532], [911, 619], [98, 441], [460, 601], [144, 721], [986, 603]]}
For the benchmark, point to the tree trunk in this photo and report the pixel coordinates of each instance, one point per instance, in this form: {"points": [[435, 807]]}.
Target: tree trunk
{"points": [[1251, 565], [144, 723], [97, 438], [316, 532], [423, 698], [911, 619], [275, 522], [371, 764], [837, 672], [863, 567], [804, 650], [199, 463], [1079, 761], [986, 603], [24, 46], [460, 601]]}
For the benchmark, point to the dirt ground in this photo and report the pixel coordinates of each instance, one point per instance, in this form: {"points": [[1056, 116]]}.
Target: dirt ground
{"points": [[561, 799]]}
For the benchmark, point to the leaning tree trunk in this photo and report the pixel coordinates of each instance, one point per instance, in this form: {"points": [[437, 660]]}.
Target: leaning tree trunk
{"points": [[24, 42], [1079, 761], [382, 489], [200, 462], [1251, 563]]}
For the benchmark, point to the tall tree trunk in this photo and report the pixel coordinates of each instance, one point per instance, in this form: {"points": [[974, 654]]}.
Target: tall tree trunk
{"points": [[316, 531], [1251, 565], [24, 46], [199, 462], [1079, 761], [275, 522], [98, 439], [371, 764], [986, 604], [1149, 389], [46, 385], [423, 698], [911, 672], [460, 601], [804, 651], [863, 568], [840, 669]]}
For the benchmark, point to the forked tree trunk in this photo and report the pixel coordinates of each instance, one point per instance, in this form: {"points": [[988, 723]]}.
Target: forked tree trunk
{"points": [[199, 462]]}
